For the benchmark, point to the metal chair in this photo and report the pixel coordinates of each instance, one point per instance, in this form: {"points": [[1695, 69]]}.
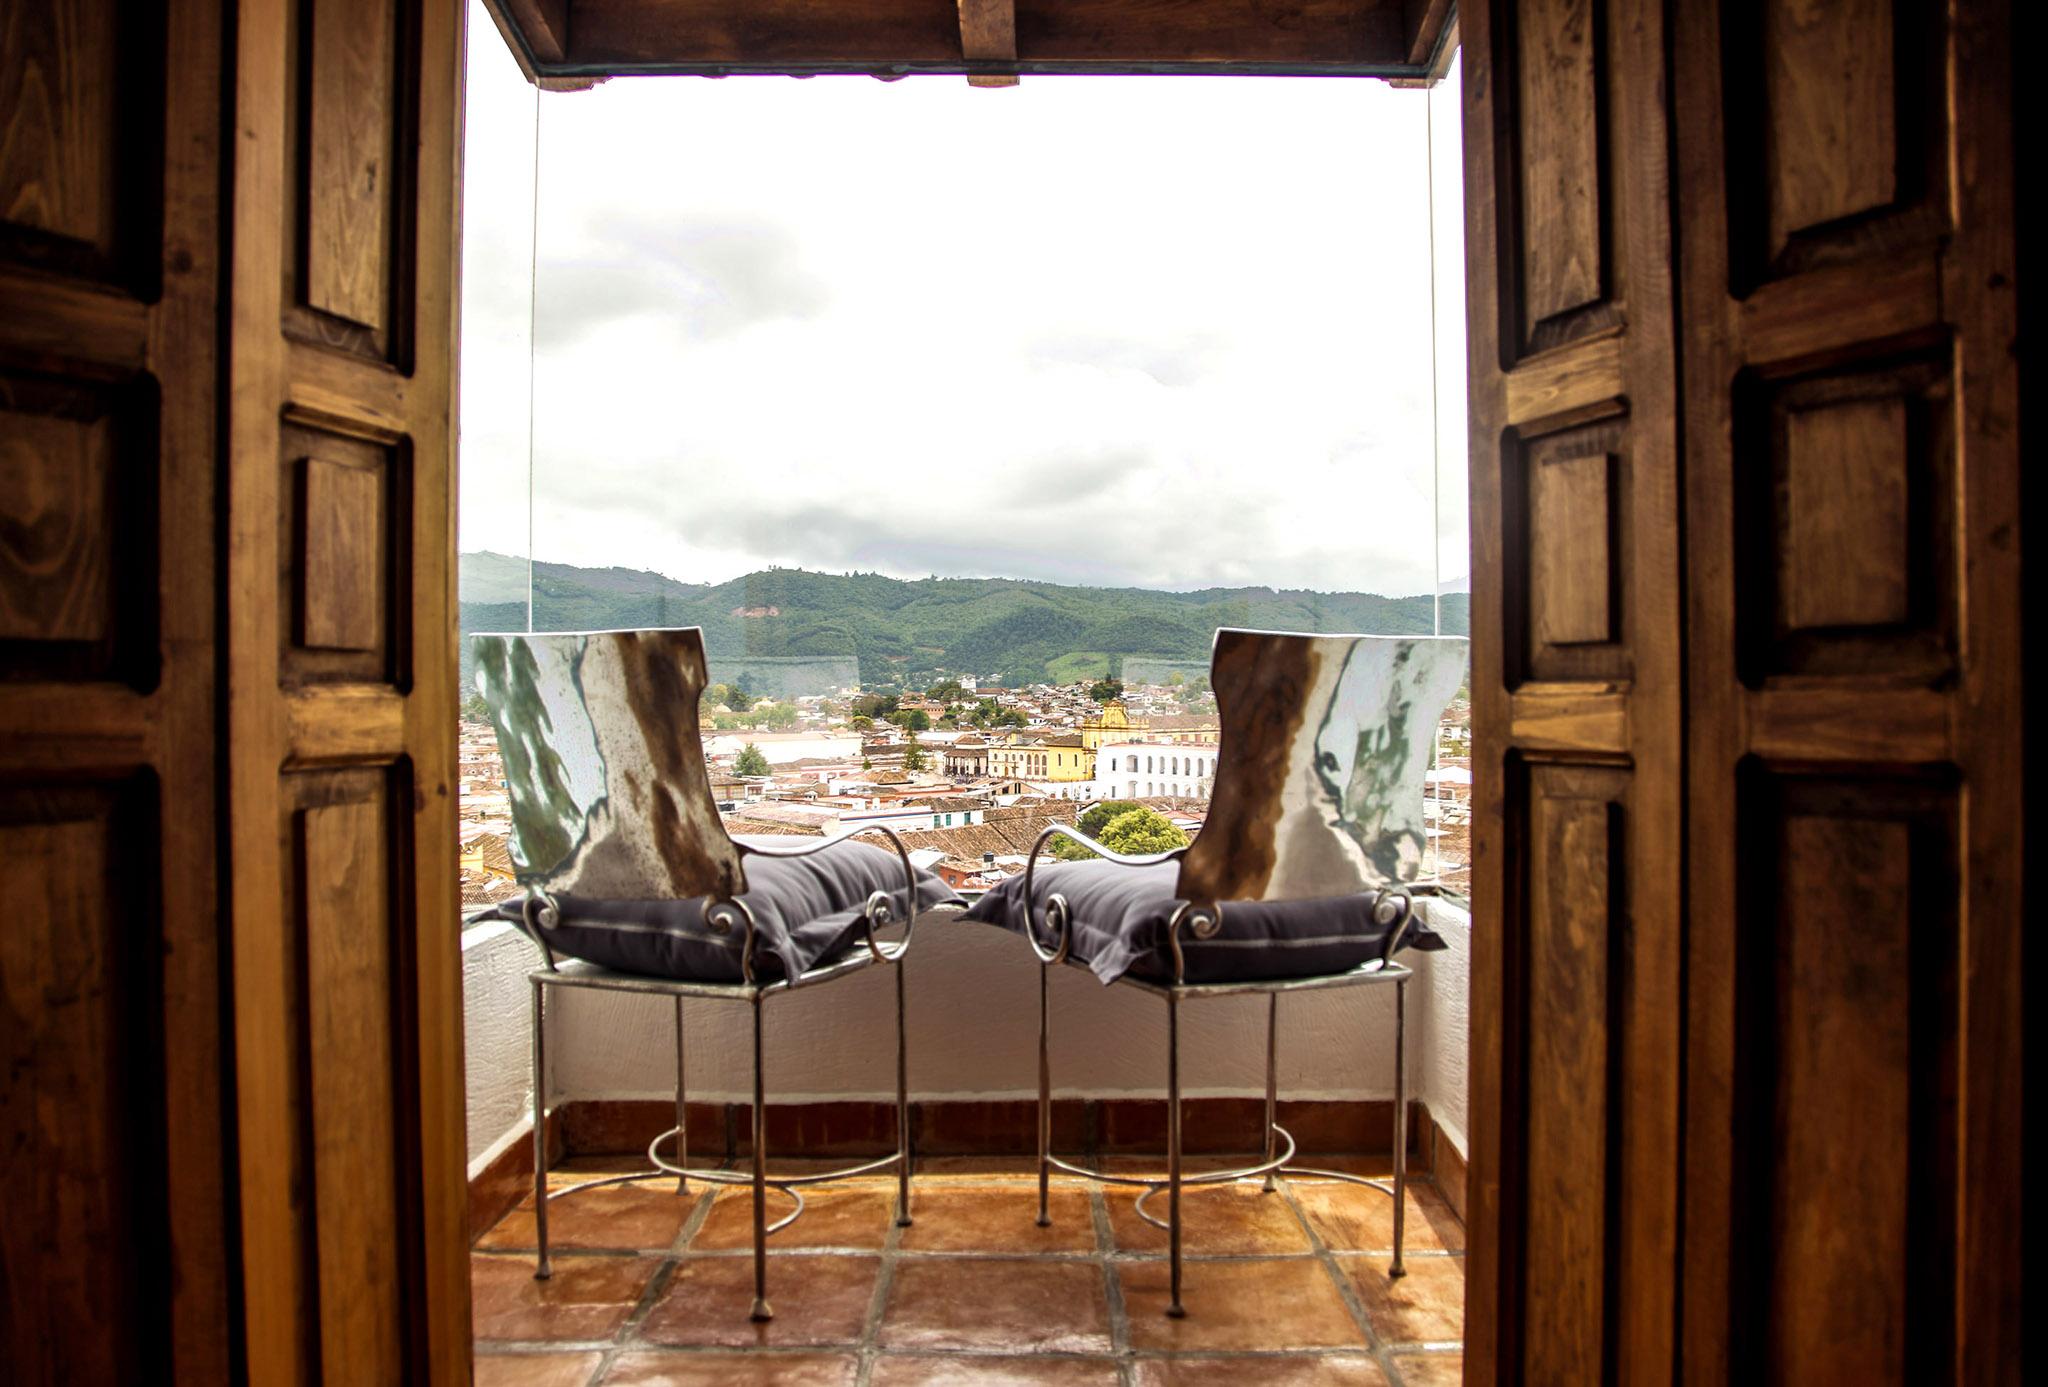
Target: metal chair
{"points": [[1318, 798], [611, 803]]}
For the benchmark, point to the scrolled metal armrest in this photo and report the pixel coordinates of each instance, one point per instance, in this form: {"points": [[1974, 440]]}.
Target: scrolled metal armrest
{"points": [[879, 910], [1056, 906], [1204, 920], [1403, 900], [721, 913], [550, 916]]}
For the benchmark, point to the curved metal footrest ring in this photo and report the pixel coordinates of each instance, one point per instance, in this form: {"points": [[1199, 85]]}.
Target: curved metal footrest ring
{"points": [[741, 1177], [1384, 1184], [709, 1177], [1154, 1185], [785, 1184]]}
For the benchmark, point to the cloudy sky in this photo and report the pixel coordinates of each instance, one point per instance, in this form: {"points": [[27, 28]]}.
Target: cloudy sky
{"points": [[1167, 332]]}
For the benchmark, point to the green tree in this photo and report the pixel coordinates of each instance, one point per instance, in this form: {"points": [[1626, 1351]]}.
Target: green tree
{"points": [[913, 754], [1175, 679], [780, 716], [1096, 816], [912, 719], [733, 696], [875, 705], [1009, 717], [860, 722], [1103, 690], [1092, 821], [750, 761], [475, 709], [1141, 830], [945, 691]]}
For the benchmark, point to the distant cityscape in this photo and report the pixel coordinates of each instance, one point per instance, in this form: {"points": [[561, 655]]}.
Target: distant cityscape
{"points": [[968, 774]]}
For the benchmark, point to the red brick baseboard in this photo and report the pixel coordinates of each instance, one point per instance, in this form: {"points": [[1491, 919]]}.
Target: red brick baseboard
{"points": [[499, 1186], [1093, 1126], [1447, 1169]]}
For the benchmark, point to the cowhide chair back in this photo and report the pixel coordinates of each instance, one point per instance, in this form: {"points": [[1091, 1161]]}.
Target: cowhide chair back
{"points": [[1326, 740], [610, 797]]}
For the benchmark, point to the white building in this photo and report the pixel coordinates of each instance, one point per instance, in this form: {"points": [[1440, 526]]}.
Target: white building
{"points": [[1145, 770], [847, 814]]}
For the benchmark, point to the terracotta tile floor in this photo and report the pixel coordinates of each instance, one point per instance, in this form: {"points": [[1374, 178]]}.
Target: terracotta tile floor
{"points": [[652, 1289]]}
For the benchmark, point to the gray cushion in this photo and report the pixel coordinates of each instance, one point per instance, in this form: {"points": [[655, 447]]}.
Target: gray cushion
{"points": [[1119, 917], [807, 912]]}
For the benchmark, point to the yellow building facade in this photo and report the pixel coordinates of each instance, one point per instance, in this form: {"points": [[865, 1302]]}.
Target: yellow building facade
{"points": [[1110, 726], [1054, 758]]}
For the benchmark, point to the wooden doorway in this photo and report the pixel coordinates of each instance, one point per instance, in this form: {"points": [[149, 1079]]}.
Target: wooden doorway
{"points": [[231, 1030], [1746, 491], [1746, 517]]}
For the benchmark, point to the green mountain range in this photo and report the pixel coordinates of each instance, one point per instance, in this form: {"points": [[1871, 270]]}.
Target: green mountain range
{"points": [[1007, 630]]}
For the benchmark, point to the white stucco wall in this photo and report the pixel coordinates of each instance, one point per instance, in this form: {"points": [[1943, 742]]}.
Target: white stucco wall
{"points": [[495, 1011], [1440, 1035], [973, 996]]}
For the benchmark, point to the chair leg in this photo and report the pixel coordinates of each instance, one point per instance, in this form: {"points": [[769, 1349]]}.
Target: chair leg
{"points": [[542, 1271], [902, 1107], [1400, 1120], [1272, 1079], [761, 1308], [1174, 1309], [1044, 1102], [682, 1121]]}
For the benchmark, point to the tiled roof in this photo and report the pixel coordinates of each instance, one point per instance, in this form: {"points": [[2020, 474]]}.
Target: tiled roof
{"points": [[1060, 809], [970, 841], [738, 827]]}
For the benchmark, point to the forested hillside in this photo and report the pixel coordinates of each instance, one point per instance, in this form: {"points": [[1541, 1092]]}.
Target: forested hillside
{"points": [[1004, 629]]}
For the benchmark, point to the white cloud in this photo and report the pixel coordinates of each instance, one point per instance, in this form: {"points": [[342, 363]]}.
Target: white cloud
{"points": [[1158, 332]]}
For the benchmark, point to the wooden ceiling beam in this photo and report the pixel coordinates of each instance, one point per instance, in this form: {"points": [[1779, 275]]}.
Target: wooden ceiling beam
{"points": [[537, 32], [544, 24], [988, 34], [889, 38], [1425, 24]]}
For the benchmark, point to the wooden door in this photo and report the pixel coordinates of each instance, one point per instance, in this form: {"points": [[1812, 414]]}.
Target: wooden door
{"points": [[1577, 681], [114, 1261], [229, 974], [1746, 1083], [340, 675], [1844, 191]]}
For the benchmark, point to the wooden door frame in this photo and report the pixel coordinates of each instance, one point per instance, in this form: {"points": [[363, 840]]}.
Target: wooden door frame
{"points": [[1620, 742], [1764, 733], [308, 383]]}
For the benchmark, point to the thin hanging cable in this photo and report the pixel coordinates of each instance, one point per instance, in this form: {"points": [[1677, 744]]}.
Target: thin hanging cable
{"points": [[1436, 459], [1436, 525], [532, 319]]}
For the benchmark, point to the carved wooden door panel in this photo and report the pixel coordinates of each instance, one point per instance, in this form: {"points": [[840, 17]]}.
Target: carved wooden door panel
{"points": [[1844, 193], [340, 690], [1825, 829], [1577, 682], [113, 1240]]}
